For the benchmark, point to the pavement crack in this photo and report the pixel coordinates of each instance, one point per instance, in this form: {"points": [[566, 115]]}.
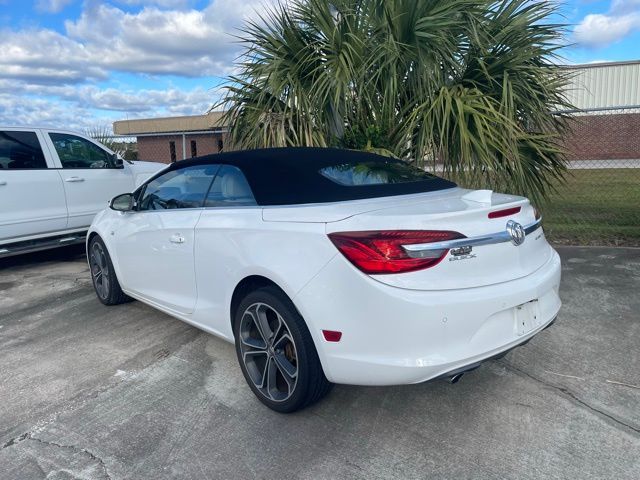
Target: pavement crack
{"points": [[574, 397], [29, 436], [15, 440]]}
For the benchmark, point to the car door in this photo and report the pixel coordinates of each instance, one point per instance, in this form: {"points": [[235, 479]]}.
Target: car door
{"points": [[32, 200], [154, 244], [229, 234], [89, 174]]}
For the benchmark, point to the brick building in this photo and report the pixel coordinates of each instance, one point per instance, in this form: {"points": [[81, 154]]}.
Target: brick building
{"points": [[171, 139], [605, 124], [605, 136]]}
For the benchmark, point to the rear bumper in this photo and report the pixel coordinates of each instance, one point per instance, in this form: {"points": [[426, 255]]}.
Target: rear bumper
{"points": [[472, 366], [397, 336]]}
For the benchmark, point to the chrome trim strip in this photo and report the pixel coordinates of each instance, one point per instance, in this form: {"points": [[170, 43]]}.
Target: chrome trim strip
{"points": [[419, 249], [532, 227]]}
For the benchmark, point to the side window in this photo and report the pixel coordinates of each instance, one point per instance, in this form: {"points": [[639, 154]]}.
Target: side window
{"points": [[77, 152], [20, 150], [230, 189], [183, 188]]}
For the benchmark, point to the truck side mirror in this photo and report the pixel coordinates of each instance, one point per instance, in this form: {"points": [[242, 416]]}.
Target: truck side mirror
{"points": [[116, 161]]}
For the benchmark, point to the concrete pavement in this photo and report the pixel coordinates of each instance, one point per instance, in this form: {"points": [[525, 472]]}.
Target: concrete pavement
{"points": [[92, 392]]}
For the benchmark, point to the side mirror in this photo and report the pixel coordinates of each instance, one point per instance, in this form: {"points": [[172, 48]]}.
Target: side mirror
{"points": [[122, 203], [117, 161]]}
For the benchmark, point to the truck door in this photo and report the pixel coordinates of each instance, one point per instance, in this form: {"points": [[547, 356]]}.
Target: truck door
{"points": [[32, 199], [89, 174]]}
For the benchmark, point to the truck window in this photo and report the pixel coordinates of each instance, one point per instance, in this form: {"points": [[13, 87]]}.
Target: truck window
{"points": [[77, 152], [20, 151]]}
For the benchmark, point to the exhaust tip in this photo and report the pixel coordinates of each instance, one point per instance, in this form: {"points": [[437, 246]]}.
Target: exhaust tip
{"points": [[455, 378]]}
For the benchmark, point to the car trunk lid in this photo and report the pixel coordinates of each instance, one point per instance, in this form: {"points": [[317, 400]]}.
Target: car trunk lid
{"points": [[472, 214], [438, 201]]}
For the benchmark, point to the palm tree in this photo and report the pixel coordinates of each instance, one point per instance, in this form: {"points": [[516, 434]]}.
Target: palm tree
{"points": [[467, 86], [103, 134]]}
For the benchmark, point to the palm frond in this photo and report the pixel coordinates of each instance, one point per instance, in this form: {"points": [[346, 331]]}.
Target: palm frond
{"points": [[469, 85]]}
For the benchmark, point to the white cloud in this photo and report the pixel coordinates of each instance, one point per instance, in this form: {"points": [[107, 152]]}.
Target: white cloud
{"points": [[46, 57], [600, 30], [143, 101], [52, 6], [37, 111], [196, 101], [159, 3], [81, 107], [622, 7], [49, 78], [189, 43], [154, 41]]}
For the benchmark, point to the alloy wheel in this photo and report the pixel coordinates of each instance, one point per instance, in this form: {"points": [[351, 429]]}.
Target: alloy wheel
{"points": [[268, 352], [100, 270]]}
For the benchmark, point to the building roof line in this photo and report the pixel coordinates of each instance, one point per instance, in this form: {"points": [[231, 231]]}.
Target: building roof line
{"points": [[172, 134], [204, 115], [599, 64], [190, 123]]}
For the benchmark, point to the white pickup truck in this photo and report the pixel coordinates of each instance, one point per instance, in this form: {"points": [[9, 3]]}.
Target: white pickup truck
{"points": [[53, 182]]}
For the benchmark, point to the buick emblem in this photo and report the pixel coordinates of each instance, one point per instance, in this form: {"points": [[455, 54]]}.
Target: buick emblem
{"points": [[516, 232]]}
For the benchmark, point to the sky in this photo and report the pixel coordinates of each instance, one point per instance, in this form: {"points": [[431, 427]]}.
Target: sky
{"points": [[83, 64]]}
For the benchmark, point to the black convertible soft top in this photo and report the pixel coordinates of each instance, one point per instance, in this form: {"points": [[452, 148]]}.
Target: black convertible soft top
{"points": [[290, 176]]}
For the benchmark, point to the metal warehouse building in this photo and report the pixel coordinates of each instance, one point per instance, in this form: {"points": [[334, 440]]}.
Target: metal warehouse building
{"points": [[605, 124]]}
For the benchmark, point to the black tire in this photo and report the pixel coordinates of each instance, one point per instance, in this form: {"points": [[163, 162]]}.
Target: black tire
{"points": [[309, 382], [103, 276]]}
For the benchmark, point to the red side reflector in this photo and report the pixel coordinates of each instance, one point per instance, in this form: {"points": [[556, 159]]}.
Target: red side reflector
{"points": [[332, 335], [504, 213]]}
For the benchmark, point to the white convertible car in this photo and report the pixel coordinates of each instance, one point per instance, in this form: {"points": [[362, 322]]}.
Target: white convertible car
{"points": [[330, 266]]}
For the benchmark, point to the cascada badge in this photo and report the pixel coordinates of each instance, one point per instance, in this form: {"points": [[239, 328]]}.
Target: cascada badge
{"points": [[461, 253], [516, 232]]}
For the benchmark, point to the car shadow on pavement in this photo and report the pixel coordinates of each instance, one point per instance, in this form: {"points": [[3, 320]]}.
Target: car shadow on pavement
{"points": [[62, 254]]}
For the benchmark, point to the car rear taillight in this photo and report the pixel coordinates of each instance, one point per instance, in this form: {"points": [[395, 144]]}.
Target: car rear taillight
{"points": [[380, 251], [536, 213]]}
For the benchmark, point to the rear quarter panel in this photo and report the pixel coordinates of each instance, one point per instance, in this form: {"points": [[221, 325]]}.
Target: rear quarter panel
{"points": [[232, 244]]}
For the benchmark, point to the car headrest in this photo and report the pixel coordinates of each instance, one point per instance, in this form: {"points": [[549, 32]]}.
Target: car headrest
{"points": [[233, 185]]}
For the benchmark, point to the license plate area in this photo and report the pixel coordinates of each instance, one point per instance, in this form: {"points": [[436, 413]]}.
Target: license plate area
{"points": [[527, 317]]}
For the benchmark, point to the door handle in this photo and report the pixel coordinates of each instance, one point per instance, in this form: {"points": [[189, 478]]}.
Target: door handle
{"points": [[74, 179], [3, 182], [176, 238]]}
